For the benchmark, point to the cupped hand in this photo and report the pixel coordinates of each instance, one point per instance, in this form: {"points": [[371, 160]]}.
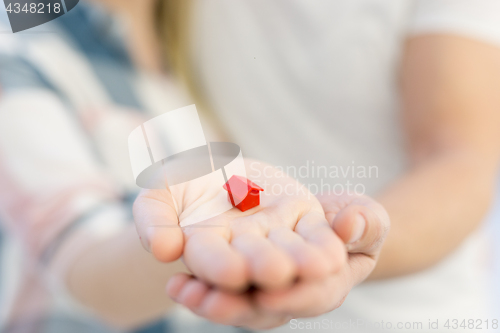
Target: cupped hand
{"points": [[284, 239], [359, 221]]}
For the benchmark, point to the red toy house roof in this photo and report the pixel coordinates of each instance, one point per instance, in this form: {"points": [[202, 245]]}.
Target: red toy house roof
{"points": [[240, 186]]}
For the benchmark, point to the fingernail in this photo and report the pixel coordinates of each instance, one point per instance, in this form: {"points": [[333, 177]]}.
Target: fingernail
{"points": [[358, 229]]}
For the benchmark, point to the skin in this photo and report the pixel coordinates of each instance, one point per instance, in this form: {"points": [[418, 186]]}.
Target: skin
{"points": [[124, 287], [450, 90], [237, 248], [450, 109], [451, 106], [291, 247]]}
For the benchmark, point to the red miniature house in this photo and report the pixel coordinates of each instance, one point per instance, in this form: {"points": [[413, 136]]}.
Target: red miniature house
{"points": [[242, 193]]}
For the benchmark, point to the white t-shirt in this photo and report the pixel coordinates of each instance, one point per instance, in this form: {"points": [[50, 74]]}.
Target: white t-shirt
{"points": [[311, 86]]}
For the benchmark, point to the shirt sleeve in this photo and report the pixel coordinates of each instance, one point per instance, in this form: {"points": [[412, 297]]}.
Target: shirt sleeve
{"points": [[60, 194], [48, 174], [479, 19]]}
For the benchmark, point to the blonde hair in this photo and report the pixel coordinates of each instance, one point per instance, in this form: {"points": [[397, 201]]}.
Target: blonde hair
{"points": [[173, 25]]}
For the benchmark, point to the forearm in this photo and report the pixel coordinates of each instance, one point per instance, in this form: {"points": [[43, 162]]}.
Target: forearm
{"points": [[122, 282], [450, 108], [433, 209]]}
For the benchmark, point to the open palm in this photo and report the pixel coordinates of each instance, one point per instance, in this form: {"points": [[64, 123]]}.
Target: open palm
{"points": [[284, 238]]}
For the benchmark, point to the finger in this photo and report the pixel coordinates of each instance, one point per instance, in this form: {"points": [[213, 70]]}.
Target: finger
{"points": [[314, 228], [214, 305], [175, 284], [238, 310], [306, 299], [157, 224], [226, 308], [311, 262], [193, 293], [270, 266], [219, 306], [349, 224], [210, 257], [363, 225]]}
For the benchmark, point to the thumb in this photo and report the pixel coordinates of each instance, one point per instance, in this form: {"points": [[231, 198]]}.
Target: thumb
{"points": [[362, 223], [157, 224]]}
